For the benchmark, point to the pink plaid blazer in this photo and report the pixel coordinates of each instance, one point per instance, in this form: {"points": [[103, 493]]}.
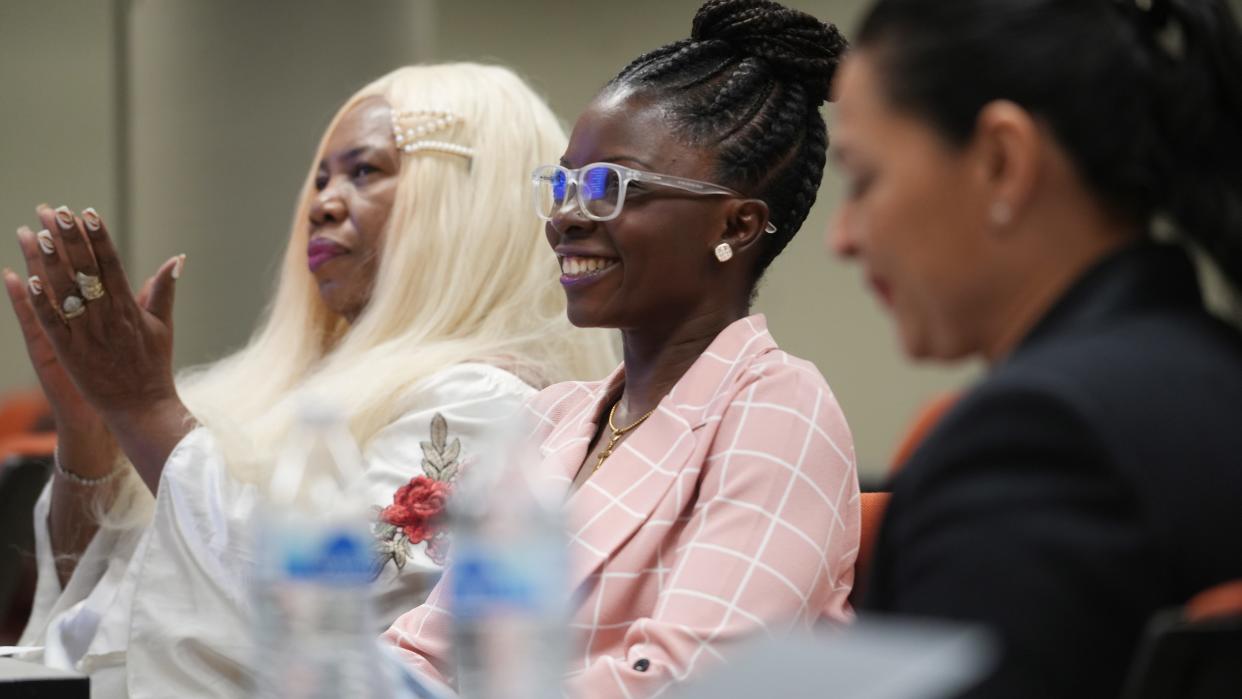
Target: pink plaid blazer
{"points": [[732, 511]]}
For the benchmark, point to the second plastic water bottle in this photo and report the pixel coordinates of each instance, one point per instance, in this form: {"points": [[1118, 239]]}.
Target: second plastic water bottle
{"points": [[508, 589], [314, 629]]}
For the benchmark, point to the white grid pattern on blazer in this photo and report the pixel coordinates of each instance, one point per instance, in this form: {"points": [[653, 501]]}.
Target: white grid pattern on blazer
{"points": [[733, 511]]}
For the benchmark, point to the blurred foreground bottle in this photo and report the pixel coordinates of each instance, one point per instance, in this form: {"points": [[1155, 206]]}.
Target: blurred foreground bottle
{"points": [[508, 579], [314, 629]]}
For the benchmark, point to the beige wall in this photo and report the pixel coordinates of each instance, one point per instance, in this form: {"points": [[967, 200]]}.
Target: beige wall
{"points": [[229, 98], [817, 308], [58, 128], [226, 99]]}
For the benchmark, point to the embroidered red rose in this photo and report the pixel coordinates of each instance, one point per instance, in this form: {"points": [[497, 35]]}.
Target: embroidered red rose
{"points": [[415, 507], [413, 517]]}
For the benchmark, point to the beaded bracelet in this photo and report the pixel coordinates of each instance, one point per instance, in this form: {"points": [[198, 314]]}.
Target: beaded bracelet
{"points": [[80, 480]]}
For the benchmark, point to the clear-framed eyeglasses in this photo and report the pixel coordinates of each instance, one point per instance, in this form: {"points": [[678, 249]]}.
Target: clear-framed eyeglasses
{"points": [[600, 189]]}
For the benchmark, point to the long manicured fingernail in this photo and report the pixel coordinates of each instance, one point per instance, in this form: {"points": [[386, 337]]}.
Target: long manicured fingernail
{"points": [[45, 242], [64, 218], [91, 218], [35, 285], [178, 266]]}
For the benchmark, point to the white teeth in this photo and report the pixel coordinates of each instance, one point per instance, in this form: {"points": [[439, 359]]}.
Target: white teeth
{"points": [[578, 266]]}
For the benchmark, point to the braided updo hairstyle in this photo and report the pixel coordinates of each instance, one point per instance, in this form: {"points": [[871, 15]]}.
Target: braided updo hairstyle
{"points": [[749, 82]]}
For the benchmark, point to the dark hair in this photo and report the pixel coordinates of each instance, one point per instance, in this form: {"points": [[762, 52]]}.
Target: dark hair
{"points": [[750, 81], [1144, 95]]}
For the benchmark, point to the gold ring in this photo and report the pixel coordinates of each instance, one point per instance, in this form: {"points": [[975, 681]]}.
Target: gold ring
{"points": [[90, 286], [72, 307]]}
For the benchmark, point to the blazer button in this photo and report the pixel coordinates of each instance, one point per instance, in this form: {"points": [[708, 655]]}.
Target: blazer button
{"points": [[642, 664]]}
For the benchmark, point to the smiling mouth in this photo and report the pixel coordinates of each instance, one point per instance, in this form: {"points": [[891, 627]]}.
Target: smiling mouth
{"points": [[575, 269]]}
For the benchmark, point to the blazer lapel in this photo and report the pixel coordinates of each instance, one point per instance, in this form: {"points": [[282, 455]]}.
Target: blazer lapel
{"points": [[609, 506], [561, 453], [605, 512]]}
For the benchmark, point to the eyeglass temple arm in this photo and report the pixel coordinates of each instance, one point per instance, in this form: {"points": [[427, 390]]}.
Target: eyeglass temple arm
{"points": [[683, 183], [690, 185]]}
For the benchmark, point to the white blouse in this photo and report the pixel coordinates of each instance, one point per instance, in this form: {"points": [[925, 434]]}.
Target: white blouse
{"points": [[161, 608]]}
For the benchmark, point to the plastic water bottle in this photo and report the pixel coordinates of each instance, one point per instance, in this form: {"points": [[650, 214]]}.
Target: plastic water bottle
{"points": [[314, 626], [508, 581]]}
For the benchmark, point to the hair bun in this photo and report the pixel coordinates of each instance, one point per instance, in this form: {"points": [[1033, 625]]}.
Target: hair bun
{"points": [[793, 42]]}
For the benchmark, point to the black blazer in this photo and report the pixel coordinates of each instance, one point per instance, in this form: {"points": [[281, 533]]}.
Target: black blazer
{"points": [[1094, 477]]}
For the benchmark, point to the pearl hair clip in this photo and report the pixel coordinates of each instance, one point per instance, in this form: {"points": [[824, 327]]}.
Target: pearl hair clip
{"points": [[411, 131]]}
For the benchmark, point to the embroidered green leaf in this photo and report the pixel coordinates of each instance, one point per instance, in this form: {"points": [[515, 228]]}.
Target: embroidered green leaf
{"points": [[399, 552], [384, 548], [431, 453], [384, 530], [453, 451], [439, 456], [439, 432], [433, 462]]}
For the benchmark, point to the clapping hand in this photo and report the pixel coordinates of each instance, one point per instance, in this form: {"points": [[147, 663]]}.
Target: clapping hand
{"points": [[103, 355]]}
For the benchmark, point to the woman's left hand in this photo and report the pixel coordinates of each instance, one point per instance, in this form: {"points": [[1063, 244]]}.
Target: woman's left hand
{"points": [[117, 350]]}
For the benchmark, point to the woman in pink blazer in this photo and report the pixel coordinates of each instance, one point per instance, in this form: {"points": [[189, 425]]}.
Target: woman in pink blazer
{"points": [[711, 487]]}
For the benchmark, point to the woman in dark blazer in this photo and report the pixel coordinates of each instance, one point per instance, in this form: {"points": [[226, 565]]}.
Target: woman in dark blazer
{"points": [[1008, 161]]}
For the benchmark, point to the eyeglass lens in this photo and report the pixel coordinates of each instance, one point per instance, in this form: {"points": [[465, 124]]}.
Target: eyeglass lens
{"points": [[599, 189]]}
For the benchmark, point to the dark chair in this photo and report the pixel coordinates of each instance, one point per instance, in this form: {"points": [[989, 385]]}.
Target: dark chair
{"points": [[21, 480], [1194, 652], [26, 445]]}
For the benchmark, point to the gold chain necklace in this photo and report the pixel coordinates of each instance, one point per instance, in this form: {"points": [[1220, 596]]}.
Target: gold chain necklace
{"points": [[617, 434]]}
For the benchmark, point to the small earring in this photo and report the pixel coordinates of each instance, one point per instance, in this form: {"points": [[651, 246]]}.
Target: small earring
{"points": [[724, 252], [1001, 213]]}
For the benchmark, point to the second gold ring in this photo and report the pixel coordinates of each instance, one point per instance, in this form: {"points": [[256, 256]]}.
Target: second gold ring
{"points": [[90, 286]]}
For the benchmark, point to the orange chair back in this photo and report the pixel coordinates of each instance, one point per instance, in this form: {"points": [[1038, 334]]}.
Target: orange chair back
{"points": [[21, 412], [872, 508], [924, 422], [1219, 602], [35, 445], [1192, 651]]}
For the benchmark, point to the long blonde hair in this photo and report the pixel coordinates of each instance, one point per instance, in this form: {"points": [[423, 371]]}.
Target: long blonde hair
{"points": [[465, 275]]}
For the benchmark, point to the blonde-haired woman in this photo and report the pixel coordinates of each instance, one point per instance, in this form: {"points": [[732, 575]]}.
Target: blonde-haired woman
{"points": [[413, 295]]}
